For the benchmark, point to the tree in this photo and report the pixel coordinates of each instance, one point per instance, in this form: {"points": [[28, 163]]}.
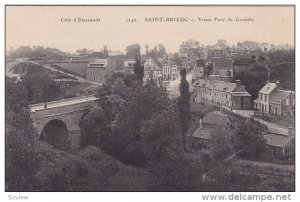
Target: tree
{"points": [[184, 106], [23, 52], [138, 70], [40, 87], [180, 172], [206, 159], [159, 135], [161, 50], [285, 73], [249, 139], [259, 74], [22, 158], [220, 144], [133, 51], [83, 51]]}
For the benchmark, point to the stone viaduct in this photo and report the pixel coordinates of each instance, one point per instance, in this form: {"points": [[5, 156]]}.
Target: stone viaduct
{"points": [[65, 113]]}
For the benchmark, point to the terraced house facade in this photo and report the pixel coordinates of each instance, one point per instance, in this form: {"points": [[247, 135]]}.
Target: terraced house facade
{"points": [[275, 101], [231, 95]]}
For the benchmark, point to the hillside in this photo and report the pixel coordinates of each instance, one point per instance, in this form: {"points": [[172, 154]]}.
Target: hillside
{"points": [[88, 170], [18, 69]]}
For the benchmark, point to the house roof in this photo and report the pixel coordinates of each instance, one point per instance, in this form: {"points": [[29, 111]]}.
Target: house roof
{"points": [[100, 61], [203, 133], [128, 62], [216, 118], [240, 91], [222, 86], [279, 95], [217, 85], [277, 140], [150, 64], [268, 88], [240, 94], [256, 100]]}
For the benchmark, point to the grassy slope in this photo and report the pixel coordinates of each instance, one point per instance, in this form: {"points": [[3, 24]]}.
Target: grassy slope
{"points": [[88, 170], [240, 175], [78, 68]]}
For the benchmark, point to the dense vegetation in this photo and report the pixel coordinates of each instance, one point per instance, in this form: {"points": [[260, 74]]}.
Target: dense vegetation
{"points": [[36, 52], [259, 74], [132, 140], [285, 73]]}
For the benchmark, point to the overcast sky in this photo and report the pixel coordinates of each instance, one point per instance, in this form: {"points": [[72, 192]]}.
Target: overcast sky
{"points": [[35, 25]]}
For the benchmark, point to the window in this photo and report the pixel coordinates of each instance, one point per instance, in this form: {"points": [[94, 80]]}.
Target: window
{"points": [[287, 101], [261, 96]]}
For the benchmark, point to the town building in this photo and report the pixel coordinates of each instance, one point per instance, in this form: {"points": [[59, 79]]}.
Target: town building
{"points": [[210, 123], [199, 70], [129, 66], [223, 66], [223, 93], [166, 71], [153, 71], [98, 71], [189, 63], [281, 145], [174, 71], [241, 65], [274, 101], [186, 46]]}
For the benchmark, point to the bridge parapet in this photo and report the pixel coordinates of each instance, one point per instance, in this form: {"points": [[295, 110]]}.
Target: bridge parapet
{"points": [[60, 103], [69, 111]]}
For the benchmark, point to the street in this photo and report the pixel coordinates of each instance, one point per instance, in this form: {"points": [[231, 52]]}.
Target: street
{"points": [[174, 86], [273, 127]]}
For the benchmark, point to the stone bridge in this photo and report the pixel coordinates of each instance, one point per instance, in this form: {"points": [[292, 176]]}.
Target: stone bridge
{"points": [[57, 122]]}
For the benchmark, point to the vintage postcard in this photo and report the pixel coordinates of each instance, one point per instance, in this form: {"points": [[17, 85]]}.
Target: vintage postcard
{"points": [[150, 99]]}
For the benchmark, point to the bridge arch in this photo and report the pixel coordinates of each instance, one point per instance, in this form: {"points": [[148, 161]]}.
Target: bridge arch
{"points": [[66, 114], [56, 133]]}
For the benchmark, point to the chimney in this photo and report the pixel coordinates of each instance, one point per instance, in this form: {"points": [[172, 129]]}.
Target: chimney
{"points": [[291, 131], [200, 123], [277, 84], [238, 82]]}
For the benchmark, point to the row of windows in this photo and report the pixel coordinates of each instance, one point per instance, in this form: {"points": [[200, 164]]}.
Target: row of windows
{"points": [[275, 109], [95, 71], [263, 97], [95, 78]]}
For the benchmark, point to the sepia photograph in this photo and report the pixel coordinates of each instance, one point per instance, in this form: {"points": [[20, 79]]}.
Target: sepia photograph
{"points": [[150, 98]]}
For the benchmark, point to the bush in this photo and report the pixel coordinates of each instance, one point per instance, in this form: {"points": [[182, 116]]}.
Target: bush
{"points": [[91, 153]]}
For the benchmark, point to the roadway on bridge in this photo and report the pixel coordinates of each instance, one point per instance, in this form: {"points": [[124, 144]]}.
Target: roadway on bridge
{"points": [[61, 103]]}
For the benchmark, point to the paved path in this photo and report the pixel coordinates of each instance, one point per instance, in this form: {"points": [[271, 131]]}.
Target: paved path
{"points": [[271, 126]]}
